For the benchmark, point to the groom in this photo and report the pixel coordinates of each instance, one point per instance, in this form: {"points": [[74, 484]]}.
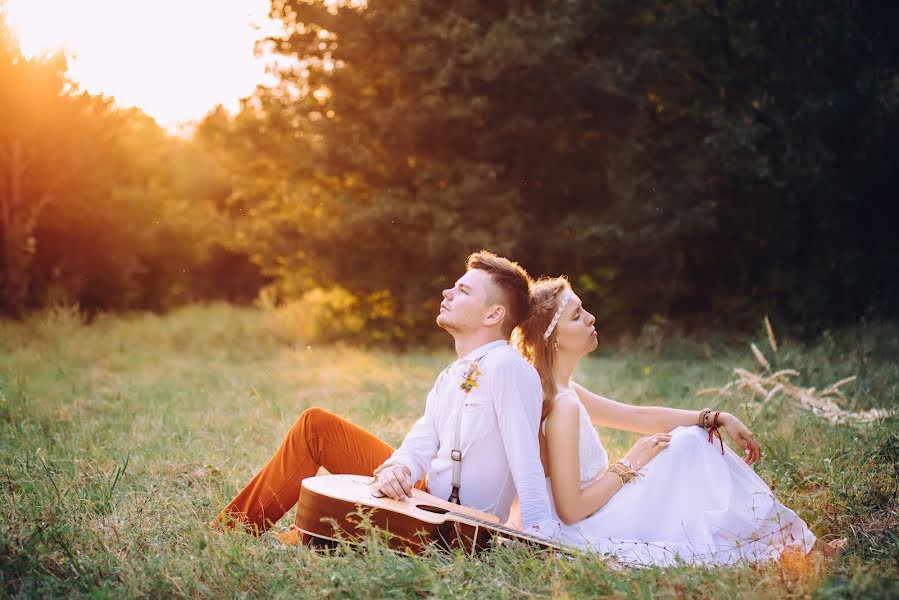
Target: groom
{"points": [[477, 440]]}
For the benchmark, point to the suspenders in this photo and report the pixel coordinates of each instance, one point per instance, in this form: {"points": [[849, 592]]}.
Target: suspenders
{"points": [[456, 453]]}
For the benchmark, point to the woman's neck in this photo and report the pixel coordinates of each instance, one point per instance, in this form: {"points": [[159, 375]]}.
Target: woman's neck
{"points": [[563, 369]]}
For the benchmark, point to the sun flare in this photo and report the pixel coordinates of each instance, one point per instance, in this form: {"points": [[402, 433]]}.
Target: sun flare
{"points": [[175, 59]]}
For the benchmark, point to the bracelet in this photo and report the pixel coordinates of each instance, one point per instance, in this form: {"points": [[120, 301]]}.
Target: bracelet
{"points": [[713, 431], [704, 418], [637, 471], [623, 472], [628, 464]]}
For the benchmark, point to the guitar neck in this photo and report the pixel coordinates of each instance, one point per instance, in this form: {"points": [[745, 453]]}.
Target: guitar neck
{"points": [[508, 531]]}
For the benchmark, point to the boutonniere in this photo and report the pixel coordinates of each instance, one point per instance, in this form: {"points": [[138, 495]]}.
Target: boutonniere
{"points": [[470, 378]]}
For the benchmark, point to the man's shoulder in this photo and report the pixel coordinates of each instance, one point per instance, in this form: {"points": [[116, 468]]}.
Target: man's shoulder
{"points": [[506, 359]]}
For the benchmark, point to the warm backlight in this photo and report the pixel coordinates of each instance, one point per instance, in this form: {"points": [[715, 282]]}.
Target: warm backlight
{"points": [[175, 59]]}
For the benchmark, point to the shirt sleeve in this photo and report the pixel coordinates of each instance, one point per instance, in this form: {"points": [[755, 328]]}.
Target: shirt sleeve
{"points": [[421, 443], [518, 399]]}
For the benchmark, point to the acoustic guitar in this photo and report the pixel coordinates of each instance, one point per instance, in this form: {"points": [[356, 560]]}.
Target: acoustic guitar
{"points": [[331, 509]]}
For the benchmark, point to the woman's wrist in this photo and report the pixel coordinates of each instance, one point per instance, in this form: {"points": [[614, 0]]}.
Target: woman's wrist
{"points": [[624, 471], [630, 464], [708, 418]]}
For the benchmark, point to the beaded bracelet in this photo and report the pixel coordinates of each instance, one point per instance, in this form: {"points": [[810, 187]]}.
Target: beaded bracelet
{"points": [[623, 472], [638, 471], [713, 428], [629, 464]]}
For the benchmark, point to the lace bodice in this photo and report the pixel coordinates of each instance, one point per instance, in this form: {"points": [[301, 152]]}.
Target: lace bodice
{"points": [[592, 455]]}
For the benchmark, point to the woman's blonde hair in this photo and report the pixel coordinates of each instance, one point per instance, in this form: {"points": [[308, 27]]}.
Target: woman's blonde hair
{"points": [[528, 336]]}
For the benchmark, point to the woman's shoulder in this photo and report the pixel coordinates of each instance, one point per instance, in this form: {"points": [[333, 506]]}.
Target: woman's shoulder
{"points": [[568, 393], [565, 407]]}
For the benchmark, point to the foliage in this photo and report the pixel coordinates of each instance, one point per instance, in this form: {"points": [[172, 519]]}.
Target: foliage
{"points": [[330, 315], [690, 164], [120, 441], [691, 160], [100, 207], [42, 149]]}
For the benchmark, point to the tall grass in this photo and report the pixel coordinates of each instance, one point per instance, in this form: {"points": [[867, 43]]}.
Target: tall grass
{"points": [[121, 439]]}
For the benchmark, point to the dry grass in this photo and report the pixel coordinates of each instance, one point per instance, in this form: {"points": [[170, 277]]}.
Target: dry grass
{"points": [[768, 385]]}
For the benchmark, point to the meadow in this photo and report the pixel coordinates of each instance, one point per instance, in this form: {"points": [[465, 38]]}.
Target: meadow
{"points": [[120, 440]]}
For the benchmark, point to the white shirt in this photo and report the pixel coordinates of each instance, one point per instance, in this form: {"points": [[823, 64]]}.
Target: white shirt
{"points": [[500, 449]]}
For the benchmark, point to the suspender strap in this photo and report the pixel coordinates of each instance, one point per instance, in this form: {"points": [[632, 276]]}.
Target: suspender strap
{"points": [[456, 455]]}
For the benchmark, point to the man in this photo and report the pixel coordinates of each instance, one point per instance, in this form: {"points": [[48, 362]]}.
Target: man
{"points": [[497, 392]]}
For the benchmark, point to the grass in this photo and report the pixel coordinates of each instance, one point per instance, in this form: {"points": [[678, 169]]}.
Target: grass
{"points": [[121, 440]]}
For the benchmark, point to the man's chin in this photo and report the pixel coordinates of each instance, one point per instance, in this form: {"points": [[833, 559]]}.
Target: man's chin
{"points": [[445, 323]]}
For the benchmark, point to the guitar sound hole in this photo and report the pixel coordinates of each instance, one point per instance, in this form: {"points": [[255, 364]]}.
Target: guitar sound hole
{"points": [[433, 509]]}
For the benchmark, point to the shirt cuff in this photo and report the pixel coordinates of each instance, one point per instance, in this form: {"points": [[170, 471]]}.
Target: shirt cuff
{"points": [[549, 529]]}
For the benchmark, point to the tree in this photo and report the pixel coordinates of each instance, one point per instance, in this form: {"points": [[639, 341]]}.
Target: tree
{"points": [[99, 206], [46, 138], [680, 158]]}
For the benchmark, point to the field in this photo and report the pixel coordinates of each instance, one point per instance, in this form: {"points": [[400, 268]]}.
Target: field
{"points": [[121, 439]]}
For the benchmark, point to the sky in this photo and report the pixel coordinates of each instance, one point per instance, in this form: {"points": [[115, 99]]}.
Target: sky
{"points": [[175, 59]]}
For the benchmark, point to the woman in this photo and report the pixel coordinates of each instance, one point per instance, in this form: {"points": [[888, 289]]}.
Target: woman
{"points": [[674, 497]]}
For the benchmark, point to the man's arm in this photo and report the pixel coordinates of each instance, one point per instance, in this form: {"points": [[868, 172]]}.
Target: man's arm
{"points": [[517, 399], [412, 459]]}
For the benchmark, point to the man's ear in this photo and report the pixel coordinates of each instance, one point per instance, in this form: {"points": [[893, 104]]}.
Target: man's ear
{"points": [[495, 316]]}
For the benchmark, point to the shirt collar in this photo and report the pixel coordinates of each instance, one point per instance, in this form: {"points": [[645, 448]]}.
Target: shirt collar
{"points": [[481, 351]]}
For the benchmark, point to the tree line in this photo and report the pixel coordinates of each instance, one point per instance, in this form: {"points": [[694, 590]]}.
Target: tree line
{"points": [[699, 162]]}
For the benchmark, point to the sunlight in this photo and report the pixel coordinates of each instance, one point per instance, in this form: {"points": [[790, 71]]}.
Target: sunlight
{"points": [[175, 59]]}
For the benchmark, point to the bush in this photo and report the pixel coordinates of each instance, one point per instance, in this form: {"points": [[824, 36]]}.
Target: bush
{"points": [[326, 315]]}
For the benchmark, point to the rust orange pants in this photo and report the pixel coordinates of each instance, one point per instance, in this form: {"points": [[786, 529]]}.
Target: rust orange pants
{"points": [[317, 439]]}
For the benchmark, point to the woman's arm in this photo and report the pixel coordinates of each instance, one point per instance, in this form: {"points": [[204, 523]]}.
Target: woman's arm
{"points": [[572, 502], [649, 419], [642, 419]]}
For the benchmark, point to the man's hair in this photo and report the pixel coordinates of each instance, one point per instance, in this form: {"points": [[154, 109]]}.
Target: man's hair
{"points": [[513, 283]]}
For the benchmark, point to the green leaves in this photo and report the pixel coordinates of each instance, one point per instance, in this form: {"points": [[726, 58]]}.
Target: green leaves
{"points": [[708, 162]]}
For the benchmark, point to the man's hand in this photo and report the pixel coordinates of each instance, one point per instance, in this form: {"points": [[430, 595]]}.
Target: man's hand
{"points": [[395, 481], [739, 433]]}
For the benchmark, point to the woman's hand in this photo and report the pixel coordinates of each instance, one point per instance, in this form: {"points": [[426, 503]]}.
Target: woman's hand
{"points": [[739, 433], [647, 448]]}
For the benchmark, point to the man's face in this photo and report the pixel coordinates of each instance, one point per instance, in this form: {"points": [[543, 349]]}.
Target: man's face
{"points": [[465, 305]]}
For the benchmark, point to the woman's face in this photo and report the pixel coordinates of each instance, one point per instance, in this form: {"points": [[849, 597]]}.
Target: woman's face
{"points": [[575, 331]]}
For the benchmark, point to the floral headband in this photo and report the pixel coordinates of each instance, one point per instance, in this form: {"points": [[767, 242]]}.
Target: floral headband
{"points": [[566, 296]]}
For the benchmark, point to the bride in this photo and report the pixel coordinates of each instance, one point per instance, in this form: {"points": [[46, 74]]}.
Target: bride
{"points": [[674, 497]]}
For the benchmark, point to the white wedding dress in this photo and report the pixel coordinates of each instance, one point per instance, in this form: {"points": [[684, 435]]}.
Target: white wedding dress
{"points": [[694, 505]]}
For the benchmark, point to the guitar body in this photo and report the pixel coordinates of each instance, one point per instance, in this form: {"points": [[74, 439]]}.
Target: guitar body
{"points": [[331, 508]]}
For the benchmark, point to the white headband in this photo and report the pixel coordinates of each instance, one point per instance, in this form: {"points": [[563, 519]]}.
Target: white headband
{"points": [[566, 296]]}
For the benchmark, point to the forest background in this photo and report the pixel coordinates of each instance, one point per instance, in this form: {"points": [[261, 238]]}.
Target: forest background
{"points": [[691, 165]]}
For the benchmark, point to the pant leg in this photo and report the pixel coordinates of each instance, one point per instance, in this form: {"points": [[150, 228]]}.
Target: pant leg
{"points": [[318, 438]]}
